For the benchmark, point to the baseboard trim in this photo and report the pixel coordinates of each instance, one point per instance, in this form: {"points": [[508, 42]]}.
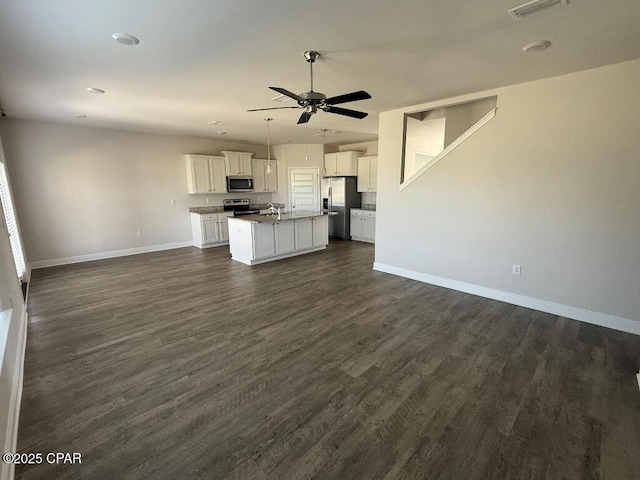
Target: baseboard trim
{"points": [[575, 313], [11, 435], [104, 255]]}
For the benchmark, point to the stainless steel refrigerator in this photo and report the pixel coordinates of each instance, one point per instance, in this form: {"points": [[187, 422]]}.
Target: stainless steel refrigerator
{"points": [[339, 194]]}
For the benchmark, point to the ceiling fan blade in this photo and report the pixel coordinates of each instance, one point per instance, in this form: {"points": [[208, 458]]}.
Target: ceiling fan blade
{"points": [[346, 112], [304, 118], [289, 94], [270, 108], [348, 97]]}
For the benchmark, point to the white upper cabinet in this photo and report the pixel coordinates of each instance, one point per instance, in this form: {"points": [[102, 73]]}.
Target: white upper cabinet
{"points": [[238, 163], [341, 164], [368, 174], [206, 174], [264, 179]]}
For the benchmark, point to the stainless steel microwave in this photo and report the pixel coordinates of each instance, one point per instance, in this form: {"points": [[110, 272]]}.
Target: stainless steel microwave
{"points": [[239, 183]]}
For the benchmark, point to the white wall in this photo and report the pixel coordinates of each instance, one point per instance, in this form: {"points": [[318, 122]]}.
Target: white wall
{"points": [[13, 320], [81, 191], [367, 148], [551, 183]]}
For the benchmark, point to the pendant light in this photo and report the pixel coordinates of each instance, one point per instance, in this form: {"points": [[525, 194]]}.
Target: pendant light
{"points": [[268, 145], [306, 157], [324, 134]]}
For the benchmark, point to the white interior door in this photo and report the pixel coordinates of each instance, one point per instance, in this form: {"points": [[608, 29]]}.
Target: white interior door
{"points": [[304, 192]]}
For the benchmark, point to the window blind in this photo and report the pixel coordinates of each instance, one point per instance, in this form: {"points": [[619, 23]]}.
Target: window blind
{"points": [[10, 223]]}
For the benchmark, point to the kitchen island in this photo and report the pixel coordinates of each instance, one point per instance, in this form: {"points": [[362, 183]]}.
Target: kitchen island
{"points": [[255, 239]]}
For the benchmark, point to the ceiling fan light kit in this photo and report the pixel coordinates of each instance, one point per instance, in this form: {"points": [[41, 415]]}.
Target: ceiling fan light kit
{"points": [[312, 101]]}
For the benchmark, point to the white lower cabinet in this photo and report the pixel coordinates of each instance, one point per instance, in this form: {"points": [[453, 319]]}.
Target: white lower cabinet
{"points": [[273, 239], [363, 225], [311, 232], [223, 228], [320, 231], [304, 232], [285, 237], [254, 242], [210, 229], [264, 240]]}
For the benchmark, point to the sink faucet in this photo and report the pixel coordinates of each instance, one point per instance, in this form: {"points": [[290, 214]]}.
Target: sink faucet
{"points": [[273, 210]]}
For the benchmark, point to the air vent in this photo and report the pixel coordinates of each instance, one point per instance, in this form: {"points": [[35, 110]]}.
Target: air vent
{"points": [[531, 8]]}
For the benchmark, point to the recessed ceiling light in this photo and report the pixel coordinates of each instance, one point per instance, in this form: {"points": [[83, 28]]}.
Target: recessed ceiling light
{"points": [[125, 39], [215, 122], [537, 46], [98, 91], [336, 131], [79, 115], [222, 133]]}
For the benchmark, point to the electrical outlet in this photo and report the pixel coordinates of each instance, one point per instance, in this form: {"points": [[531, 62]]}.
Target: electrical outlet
{"points": [[208, 200], [516, 270], [138, 233], [172, 201]]}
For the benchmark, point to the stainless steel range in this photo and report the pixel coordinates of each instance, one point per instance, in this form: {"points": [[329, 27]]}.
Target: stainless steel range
{"points": [[239, 207]]}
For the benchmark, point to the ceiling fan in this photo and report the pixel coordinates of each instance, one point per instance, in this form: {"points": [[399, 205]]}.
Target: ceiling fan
{"points": [[313, 101]]}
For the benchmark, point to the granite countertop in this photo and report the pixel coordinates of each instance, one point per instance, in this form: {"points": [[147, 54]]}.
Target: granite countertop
{"points": [[371, 207], [283, 216], [220, 209], [206, 210], [264, 206]]}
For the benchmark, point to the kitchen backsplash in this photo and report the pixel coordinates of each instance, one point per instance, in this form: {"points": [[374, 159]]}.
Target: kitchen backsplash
{"points": [[368, 198]]}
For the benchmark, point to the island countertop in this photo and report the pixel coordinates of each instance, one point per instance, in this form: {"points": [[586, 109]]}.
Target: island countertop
{"points": [[264, 218]]}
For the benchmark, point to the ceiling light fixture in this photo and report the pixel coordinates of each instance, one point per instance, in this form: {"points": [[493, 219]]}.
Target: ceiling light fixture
{"points": [[324, 137], [222, 133], [125, 39], [215, 122], [97, 91], [267, 119], [537, 46], [79, 115], [336, 131]]}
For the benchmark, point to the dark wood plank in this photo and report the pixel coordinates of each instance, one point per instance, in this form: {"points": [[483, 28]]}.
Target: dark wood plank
{"points": [[185, 364]]}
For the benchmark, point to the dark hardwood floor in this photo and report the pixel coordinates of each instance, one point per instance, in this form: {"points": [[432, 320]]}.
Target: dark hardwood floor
{"points": [[186, 365]]}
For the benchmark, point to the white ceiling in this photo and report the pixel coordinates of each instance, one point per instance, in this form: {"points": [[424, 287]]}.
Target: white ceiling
{"points": [[201, 60]]}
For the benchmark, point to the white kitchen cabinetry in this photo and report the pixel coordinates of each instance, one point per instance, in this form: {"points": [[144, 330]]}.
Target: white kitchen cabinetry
{"points": [[368, 174], [238, 163], [264, 240], [311, 232], [320, 231], [264, 180], [285, 237], [206, 174], [304, 232], [223, 226], [341, 164], [273, 239], [210, 230], [363, 225], [254, 242]]}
